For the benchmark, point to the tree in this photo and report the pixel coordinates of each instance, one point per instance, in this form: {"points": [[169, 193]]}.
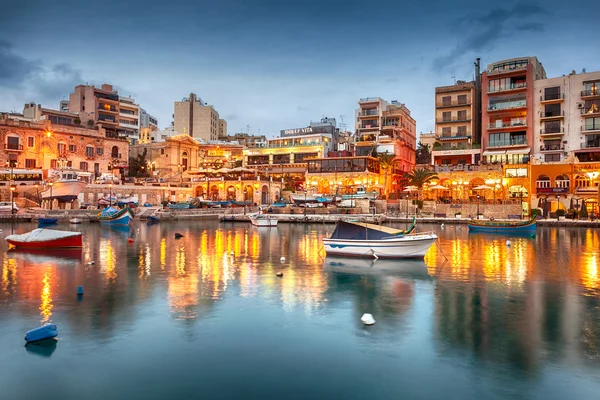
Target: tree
{"points": [[423, 154], [90, 123], [138, 166], [77, 121], [386, 161], [419, 177]]}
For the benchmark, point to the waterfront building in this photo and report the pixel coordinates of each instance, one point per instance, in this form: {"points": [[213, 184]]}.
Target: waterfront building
{"points": [[386, 127], [457, 139], [247, 140], [148, 125], [196, 118], [222, 128], [129, 119], [427, 138], [343, 175]]}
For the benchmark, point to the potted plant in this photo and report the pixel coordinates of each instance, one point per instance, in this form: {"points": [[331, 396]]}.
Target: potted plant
{"points": [[583, 214], [560, 213]]}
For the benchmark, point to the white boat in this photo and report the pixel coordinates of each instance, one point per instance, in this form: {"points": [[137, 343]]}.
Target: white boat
{"points": [[263, 220], [6, 207], [357, 239], [66, 188], [45, 239], [301, 198], [75, 220]]}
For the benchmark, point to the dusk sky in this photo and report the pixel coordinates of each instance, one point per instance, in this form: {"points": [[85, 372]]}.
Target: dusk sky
{"points": [[277, 64]]}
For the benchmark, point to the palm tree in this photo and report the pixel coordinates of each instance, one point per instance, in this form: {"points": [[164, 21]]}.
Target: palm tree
{"points": [[386, 161], [419, 177]]}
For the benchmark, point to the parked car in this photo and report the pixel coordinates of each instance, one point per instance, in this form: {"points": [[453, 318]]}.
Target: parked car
{"points": [[5, 207]]}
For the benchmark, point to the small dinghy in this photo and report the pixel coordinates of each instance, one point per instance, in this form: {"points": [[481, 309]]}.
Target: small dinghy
{"points": [[75, 220], [152, 218], [44, 332], [47, 221], [45, 239]]}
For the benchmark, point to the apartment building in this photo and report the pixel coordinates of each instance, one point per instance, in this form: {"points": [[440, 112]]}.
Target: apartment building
{"points": [[222, 128], [457, 138], [386, 127], [195, 118], [129, 119], [101, 103], [508, 109]]}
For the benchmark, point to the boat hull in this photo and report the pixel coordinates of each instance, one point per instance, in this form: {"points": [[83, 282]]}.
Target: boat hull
{"points": [[122, 218], [302, 199], [402, 247], [502, 228], [264, 222], [64, 191], [70, 242]]}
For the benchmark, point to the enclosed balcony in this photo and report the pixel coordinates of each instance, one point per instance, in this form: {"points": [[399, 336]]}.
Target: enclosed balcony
{"points": [[508, 104], [544, 115], [592, 92], [507, 124]]}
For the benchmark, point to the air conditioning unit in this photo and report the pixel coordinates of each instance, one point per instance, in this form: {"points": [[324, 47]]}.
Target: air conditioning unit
{"points": [[580, 105]]}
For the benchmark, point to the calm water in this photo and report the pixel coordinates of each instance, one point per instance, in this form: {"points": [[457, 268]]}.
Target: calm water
{"points": [[166, 318]]}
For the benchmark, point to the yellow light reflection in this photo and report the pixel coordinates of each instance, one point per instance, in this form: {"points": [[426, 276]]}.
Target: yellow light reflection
{"points": [[108, 260], [9, 274], [163, 253], [46, 298]]}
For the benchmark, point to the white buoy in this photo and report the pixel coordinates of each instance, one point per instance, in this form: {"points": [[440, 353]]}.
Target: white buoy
{"points": [[232, 253], [508, 243], [282, 259], [280, 274], [91, 263], [367, 319], [442, 226]]}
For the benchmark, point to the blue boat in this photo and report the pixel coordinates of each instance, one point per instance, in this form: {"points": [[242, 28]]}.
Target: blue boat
{"points": [[504, 226], [114, 216], [152, 218], [180, 206], [47, 221]]}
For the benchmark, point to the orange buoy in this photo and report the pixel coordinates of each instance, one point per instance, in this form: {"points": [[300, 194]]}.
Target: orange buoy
{"points": [[130, 240]]}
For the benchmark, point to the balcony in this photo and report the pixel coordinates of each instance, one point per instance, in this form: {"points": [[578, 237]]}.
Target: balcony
{"points": [[107, 108], [522, 123], [552, 98], [506, 69], [510, 143], [13, 147], [552, 131], [589, 129], [368, 113], [552, 147], [453, 103], [507, 105], [443, 147], [370, 126], [453, 136], [591, 93], [591, 145], [593, 111], [552, 114], [510, 88], [450, 120], [127, 124]]}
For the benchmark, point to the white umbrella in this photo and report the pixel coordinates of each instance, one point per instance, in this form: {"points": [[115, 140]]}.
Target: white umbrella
{"points": [[482, 187], [440, 187], [410, 189]]}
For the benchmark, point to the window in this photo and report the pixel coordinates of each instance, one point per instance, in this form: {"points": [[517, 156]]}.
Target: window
{"points": [[72, 148], [591, 106], [446, 116], [99, 151], [552, 127], [12, 143], [114, 152], [507, 139], [89, 151], [53, 164], [516, 172], [62, 148], [69, 164], [462, 99], [30, 163], [96, 167], [592, 124], [552, 93], [552, 144], [552, 157], [509, 66], [552, 110], [462, 115], [591, 88], [60, 120], [462, 130], [83, 166], [30, 141], [446, 100], [446, 131]]}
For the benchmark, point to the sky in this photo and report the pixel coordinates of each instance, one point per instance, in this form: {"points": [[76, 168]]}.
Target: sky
{"points": [[268, 65]]}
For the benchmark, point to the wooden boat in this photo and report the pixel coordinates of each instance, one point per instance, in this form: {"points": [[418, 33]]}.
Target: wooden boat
{"points": [[504, 226], [114, 216], [357, 239], [75, 220], [47, 220], [263, 220], [45, 239]]}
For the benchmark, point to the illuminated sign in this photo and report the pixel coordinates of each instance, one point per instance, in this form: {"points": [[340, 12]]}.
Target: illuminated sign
{"points": [[553, 190], [587, 167], [307, 131]]}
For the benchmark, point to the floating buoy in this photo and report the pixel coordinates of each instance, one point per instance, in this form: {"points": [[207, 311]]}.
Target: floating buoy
{"points": [[130, 240], [280, 274], [91, 263], [532, 235], [508, 243], [79, 290], [43, 332], [232, 253], [178, 235], [442, 226], [282, 259], [367, 319]]}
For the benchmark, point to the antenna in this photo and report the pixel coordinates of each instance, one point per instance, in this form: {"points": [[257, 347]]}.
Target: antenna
{"points": [[454, 79], [342, 124], [248, 129]]}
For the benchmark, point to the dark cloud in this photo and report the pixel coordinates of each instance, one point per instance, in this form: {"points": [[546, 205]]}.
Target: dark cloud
{"points": [[481, 32], [14, 69], [55, 82]]}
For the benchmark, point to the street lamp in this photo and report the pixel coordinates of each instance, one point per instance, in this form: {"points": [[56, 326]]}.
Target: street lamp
{"points": [[37, 192], [558, 199], [304, 202], [245, 197], [110, 195], [51, 199], [406, 205], [12, 199], [478, 197]]}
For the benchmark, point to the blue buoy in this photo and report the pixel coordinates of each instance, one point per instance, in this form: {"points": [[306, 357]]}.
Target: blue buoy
{"points": [[79, 290], [43, 332]]}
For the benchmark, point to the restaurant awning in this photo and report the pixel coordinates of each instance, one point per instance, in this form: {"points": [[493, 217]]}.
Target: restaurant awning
{"points": [[494, 153], [519, 151]]}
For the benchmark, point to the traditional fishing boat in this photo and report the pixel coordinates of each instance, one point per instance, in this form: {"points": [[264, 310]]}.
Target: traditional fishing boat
{"points": [[152, 218], [47, 220], [45, 239], [359, 239], [114, 216], [263, 220], [504, 226]]}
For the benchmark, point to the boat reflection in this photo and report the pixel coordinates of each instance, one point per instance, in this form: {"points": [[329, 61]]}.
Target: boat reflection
{"points": [[42, 348], [412, 268], [59, 257]]}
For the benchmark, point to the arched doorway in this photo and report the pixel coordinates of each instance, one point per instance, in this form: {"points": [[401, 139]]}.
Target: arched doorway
{"points": [[249, 193], [323, 187], [184, 161], [114, 152], [231, 193], [214, 192], [277, 196], [264, 195], [200, 191], [348, 186]]}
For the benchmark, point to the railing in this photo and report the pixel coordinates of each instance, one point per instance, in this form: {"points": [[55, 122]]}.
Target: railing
{"points": [[512, 86], [107, 120], [548, 131], [457, 146], [590, 145], [369, 113], [505, 70], [552, 147], [552, 114], [589, 128], [555, 96], [595, 109], [112, 97], [467, 167], [366, 138], [591, 92], [522, 123], [507, 105], [305, 144], [370, 126], [453, 135], [455, 119], [10, 146], [509, 143], [109, 109], [452, 103]]}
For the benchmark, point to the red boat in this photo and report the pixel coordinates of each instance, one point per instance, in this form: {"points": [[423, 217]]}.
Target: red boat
{"points": [[46, 239]]}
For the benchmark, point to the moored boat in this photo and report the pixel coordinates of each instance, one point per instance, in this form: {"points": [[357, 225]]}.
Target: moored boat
{"points": [[302, 198], [47, 220], [504, 226], [357, 239], [180, 206], [66, 188], [152, 218], [263, 220], [75, 220], [45, 239], [114, 216]]}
